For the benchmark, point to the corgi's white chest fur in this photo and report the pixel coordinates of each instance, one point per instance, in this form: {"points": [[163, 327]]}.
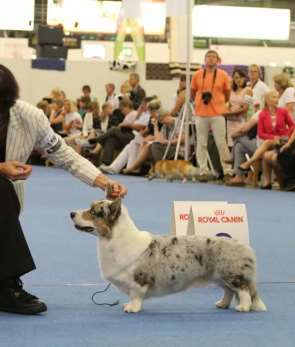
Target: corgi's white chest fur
{"points": [[123, 249]]}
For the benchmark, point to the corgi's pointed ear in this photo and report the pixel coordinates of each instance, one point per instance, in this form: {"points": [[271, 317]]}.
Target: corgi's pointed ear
{"points": [[115, 210], [115, 205], [108, 190]]}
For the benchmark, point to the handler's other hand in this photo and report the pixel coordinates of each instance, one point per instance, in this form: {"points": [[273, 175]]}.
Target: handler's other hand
{"points": [[15, 170], [115, 190]]}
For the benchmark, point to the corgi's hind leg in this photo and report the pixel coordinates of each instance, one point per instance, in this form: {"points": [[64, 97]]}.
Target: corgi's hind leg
{"points": [[136, 296], [134, 306], [257, 303], [245, 301], [225, 302]]}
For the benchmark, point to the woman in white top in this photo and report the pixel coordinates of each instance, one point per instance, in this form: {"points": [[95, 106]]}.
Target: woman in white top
{"points": [[286, 91], [72, 120], [259, 88], [238, 106]]}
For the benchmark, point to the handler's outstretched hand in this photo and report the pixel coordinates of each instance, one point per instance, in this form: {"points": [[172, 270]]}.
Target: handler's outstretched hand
{"points": [[115, 190], [112, 189]]}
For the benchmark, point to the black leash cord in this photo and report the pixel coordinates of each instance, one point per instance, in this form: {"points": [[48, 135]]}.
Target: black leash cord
{"points": [[104, 303]]}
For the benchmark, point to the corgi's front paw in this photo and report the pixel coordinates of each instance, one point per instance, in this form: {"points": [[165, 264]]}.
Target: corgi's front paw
{"points": [[131, 308], [242, 308], [222, 304]]}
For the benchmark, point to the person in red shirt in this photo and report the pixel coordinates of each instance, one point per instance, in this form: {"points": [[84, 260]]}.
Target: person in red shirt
{"points": [[210, 89], [275, 125]]}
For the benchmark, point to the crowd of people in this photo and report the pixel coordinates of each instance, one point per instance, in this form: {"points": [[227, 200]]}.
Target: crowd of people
{"points": [[252, 125]]}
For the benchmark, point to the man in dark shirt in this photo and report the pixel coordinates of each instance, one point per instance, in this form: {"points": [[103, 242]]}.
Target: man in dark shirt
{"points": [[137, 93]]}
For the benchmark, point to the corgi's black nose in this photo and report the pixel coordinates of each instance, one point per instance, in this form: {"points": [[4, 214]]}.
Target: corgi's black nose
{"points": [[73, 214]]}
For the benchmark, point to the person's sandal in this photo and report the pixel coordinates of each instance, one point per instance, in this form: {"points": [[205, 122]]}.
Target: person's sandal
{"points": [[243, 169]]}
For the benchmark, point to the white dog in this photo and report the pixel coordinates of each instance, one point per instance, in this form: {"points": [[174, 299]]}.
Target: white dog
{"points": [[144, 265]]}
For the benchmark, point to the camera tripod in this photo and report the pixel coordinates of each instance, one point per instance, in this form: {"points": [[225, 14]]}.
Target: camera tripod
{"points": [[185, 124]]}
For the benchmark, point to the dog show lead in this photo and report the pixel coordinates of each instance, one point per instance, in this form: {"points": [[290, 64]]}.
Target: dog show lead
{"points": [[23, 128]]}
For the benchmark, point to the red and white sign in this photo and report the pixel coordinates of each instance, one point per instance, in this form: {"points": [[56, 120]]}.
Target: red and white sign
{"points": [[229, 221], [181, 213]]}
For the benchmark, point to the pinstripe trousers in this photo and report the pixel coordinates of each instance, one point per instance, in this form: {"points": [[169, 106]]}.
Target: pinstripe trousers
{"points": [[15, 256]]}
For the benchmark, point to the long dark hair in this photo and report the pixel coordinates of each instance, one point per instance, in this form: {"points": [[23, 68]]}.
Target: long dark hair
{"points": [[9, 90], [241, 74]]}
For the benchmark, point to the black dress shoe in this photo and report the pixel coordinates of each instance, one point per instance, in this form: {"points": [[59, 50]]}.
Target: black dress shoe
{"points": [[266, 187], [244, 169], [14, 299]]}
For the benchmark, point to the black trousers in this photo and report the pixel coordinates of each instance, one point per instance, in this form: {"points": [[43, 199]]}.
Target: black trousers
{"points": [[113, 139], [15, 256], [286, 161]]}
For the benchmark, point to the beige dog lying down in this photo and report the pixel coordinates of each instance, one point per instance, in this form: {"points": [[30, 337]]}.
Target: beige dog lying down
{"points": [[144, 265]]}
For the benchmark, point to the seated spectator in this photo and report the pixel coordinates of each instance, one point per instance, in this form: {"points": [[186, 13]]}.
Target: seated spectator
{"points": [[244, 142], [72, 124], [103, 122], [44, 106], [118, 137], [83, 105], [86, 92], [125, 90], [56, 94], [137, 93], [111, 96], [56, 117], [128, 155], [94, 110], [91, 127], [154, 149], [286, 163], [274, 125], [258, 87], [238, 106], [180, 96], [286, 90]]}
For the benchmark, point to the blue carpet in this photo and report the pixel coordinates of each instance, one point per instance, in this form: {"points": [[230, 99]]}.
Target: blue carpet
{"points": [[66, 262]]}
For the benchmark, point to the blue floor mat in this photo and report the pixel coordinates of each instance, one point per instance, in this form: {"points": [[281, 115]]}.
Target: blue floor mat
{"points": [[68, 274]]}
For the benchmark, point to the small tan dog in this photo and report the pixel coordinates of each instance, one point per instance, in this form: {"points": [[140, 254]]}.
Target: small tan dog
{"points": [[173, 169]]}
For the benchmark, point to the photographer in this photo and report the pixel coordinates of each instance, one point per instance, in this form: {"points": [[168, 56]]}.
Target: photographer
{"points": [[210, 89]]}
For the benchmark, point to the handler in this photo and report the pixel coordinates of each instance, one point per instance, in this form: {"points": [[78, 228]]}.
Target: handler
{"points": [[23, 128]]}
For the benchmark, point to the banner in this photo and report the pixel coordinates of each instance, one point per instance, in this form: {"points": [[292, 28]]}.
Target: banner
{"points": [[229, 221], [181, 213]]}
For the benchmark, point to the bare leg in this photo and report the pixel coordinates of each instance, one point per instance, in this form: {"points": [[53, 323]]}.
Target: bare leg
{"points": [[267, 145], [96, 149], [142, 157], [224, 303]]}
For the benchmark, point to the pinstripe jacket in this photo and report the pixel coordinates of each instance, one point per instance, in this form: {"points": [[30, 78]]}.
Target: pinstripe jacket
{"points": [[29, 129]]}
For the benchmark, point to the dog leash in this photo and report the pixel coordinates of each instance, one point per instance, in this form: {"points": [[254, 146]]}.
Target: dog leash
{"points": [[104, 303]]}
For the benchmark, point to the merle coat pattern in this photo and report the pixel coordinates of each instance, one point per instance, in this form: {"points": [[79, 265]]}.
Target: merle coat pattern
{"points": [[143, 265]]}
